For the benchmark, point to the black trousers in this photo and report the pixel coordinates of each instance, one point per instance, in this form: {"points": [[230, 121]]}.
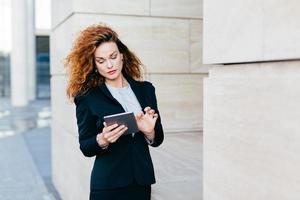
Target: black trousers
{"points": [[130, 192]]}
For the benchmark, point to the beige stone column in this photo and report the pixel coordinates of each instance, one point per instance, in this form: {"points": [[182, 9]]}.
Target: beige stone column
{"points": [[19, 70], [31, 50], [251, 104], [23, 70]]}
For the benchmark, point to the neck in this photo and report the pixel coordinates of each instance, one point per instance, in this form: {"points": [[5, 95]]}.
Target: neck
{"points": [[118, 83]]}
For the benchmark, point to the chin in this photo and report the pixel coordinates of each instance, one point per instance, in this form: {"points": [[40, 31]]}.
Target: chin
{"points": [[113, 76]]}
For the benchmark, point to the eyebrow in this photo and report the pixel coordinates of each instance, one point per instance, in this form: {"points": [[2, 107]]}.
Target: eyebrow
{"points": [[109, 55]]}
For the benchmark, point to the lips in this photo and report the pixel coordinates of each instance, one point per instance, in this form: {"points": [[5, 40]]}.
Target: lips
{"points": [[111, 72]]}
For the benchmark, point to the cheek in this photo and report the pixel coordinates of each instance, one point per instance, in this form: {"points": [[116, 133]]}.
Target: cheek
{"points": [[120, 62], [100, 69]]}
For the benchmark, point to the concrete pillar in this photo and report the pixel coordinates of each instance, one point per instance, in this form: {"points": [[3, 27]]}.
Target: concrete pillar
{"points": [[19, 71], [23, 70], [31, 50], [251, 108]]}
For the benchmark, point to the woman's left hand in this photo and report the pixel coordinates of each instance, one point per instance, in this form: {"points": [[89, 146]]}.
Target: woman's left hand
{"points": [[146, 122]]}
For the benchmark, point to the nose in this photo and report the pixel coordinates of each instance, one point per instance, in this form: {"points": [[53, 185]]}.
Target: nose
{"points": [[109, 64]]}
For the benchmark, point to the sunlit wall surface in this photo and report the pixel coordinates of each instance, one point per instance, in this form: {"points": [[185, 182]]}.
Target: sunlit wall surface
{"points": [[5, 28], [43, 15]]}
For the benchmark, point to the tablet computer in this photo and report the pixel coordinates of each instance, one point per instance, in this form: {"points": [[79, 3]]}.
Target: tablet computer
{"points": [[126, 118]]}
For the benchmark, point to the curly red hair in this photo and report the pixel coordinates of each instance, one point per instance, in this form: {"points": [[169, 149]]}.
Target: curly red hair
{"points": [[81, 64]]}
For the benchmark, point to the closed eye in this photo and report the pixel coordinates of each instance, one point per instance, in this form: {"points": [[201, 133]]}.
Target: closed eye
{"points": [[100, 61], [114, 56]]}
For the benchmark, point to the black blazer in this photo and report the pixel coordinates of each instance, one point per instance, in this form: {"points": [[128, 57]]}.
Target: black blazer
{"points": [[128, 158]]}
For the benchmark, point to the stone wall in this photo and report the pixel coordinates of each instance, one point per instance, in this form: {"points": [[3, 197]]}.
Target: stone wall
{"points": [[251, 112]]}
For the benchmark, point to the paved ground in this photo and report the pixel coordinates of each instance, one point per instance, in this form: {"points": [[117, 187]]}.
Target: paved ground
{"points": [[178, 167], [25, 164]]}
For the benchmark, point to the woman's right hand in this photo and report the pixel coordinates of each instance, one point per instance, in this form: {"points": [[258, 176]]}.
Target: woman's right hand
{"points": [[110, 134]]}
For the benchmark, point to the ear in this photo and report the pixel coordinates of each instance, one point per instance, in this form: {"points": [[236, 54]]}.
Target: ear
{"points": [[122, 57]]}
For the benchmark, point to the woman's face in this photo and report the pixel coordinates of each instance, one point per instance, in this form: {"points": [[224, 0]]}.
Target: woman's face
{"points": [[109, 61]]}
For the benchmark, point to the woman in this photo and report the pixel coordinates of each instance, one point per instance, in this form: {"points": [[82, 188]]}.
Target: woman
{"points": [[105, 78]]}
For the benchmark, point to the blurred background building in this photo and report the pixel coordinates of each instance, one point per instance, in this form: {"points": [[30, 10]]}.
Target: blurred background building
{"points": [[5, 48], [37, 13], [25, 114]]}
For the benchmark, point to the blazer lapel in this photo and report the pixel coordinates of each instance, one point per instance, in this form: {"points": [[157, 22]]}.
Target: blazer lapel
{"points": [[136, 87], [106, 92]]}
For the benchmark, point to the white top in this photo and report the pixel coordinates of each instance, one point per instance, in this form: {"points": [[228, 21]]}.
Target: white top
{"points": [[126, 98]]}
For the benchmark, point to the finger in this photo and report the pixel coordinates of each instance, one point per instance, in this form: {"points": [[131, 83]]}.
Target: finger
{"points": [[137, 118], [150, 115], [102, 135], [116, 130], [105, 136], [104, 124], [115, 137], [110, 128], [147, 108], [151, 112], [139, 115], [155, 117]]}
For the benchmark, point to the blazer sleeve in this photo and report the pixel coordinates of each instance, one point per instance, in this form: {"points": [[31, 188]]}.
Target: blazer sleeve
{"points": [[159, 133], [87, 129]]}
